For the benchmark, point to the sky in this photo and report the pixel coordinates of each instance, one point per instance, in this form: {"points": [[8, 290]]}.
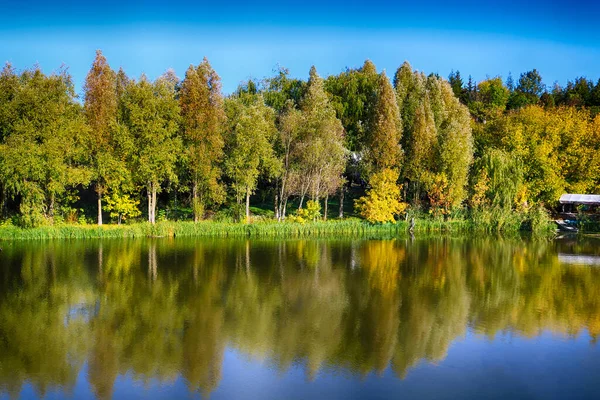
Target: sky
{"points": [[250, 39]]}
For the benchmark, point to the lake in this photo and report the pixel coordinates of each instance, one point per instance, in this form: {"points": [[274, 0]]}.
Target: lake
{"points": [[300, 319]]}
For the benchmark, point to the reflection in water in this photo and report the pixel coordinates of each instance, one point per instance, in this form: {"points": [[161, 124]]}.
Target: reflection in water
{"points": [[164, 309]]}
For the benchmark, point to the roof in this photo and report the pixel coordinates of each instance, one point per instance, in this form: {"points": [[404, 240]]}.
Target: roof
{"points": [[580, 199]]}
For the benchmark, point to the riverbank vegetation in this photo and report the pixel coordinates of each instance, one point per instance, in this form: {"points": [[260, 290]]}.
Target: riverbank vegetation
{"points": [[494, 155]]}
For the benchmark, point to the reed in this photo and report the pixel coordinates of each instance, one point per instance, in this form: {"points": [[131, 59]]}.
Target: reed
{"points": [[269, 228]]}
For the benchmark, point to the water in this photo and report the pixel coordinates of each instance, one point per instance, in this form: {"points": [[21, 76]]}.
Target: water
{"points": [[300, 319]]}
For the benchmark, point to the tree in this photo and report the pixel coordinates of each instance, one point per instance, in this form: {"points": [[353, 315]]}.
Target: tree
{"points": [[320, 154], [121, 206], [152, 116], [280, 88], [456, 83], [528, 90], [9, 89], [203, 119], [419, 136], [100, 108], [287, 141], [353, 95], [383, 200], [437, 137], [493, 93], [43, 152], [249, 144], [384, 149]]}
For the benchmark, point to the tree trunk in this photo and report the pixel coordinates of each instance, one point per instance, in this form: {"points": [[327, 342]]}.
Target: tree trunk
{"points": [[195, 201], [149, 202], [276, 206], [99, 208], [247, 206], [301, 201], [51, 206], [341, 214], [153, 203], [326, 208], [282, 216], [3, 202]]}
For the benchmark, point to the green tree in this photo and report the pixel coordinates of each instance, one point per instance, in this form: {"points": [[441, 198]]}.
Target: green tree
{"points": [[354, 95], [493, 94], [437, 137], [9, 89], [456, 83], [249, 144], [152, 116], [203, 119], [286, 149], [280, 88], [43, 152], [528, 90], [321, 155]]}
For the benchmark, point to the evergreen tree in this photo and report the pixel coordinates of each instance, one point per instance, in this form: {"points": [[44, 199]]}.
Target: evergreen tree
{"points": [[457, 83], [510, 83]]}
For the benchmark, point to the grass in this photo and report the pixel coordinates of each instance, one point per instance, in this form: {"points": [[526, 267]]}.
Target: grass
{"points": [[261, 228]]}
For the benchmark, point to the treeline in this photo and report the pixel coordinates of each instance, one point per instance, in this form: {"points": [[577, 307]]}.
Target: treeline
{"points": [[416, 141]]}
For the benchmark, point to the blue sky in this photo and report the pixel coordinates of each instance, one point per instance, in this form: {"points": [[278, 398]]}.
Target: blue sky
{"points": [[249, 39]]}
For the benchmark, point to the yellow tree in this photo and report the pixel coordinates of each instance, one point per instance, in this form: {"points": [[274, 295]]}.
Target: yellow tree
{"points": [[382, 202], [384, 149]]}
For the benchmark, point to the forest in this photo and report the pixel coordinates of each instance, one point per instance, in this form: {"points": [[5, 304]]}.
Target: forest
{"points": [[358, 144]]}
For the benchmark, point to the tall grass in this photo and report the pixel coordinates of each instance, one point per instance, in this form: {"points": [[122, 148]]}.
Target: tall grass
{"points": [[486, 221]]}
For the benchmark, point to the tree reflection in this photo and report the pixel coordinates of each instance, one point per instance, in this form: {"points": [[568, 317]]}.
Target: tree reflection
{"points": [[159, 309]]}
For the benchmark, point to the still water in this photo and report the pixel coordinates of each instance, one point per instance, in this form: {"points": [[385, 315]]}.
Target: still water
{"points": [[300, 319]]}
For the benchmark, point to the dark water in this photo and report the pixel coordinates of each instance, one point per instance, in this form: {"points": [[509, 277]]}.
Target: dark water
{"points": [[300, 319]]}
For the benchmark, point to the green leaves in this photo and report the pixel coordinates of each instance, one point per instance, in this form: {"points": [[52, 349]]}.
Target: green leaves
{"points": [[203, 126], [249, 142], [42, 154]]}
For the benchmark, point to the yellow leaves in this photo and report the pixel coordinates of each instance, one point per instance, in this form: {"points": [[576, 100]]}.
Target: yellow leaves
{"points": [[558, 148], [521, 199], [311, 212], [481, 188], [383, 259], [439, 195], [383, 201]]}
